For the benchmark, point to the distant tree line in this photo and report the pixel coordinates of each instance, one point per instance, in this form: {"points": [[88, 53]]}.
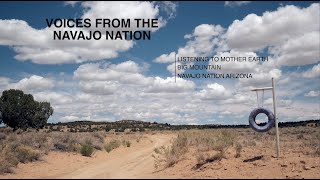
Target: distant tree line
{"points": [[133, 126]]}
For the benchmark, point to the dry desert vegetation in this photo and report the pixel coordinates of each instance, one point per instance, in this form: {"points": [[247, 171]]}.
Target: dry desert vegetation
{"points": [[205, 153]]}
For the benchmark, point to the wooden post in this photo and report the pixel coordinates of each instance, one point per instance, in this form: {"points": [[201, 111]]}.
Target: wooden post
{"points": [[276, 118]]}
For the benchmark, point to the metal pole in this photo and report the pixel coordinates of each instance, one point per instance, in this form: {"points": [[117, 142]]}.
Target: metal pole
{"points": [[276, 117]]}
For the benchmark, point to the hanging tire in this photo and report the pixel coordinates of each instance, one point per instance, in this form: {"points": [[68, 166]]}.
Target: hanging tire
{"points": [[255, 126]]}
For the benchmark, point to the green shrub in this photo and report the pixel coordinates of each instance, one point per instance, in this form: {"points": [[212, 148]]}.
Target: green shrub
{"points": [[86, 150], [112, 145]]}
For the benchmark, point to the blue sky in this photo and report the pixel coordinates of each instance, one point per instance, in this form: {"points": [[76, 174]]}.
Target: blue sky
{"points": [[136, 81]]}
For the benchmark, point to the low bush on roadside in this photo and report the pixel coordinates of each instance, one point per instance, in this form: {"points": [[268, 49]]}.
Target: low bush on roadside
{"points": [[112, 145], [26, 154], [86, 150], [7, 161]]}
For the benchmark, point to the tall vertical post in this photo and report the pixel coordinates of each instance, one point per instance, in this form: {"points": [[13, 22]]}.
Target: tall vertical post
{"points": [[275, 117]]}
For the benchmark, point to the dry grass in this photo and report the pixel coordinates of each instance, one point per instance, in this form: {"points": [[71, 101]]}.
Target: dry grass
{"points": [[26, 154], [29, 146], [7, 161], [207, 146], [112, 145], [201, 140], [238, 148], [301, 139], [116, 143], [204, 146], [126, 143]]}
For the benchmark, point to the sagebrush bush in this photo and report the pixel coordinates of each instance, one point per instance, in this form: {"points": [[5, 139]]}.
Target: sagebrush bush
{"points": [[94, 140], [34, 139], [26, 154], [112, 145], [86, 150], [99, 135], [7, 161]]}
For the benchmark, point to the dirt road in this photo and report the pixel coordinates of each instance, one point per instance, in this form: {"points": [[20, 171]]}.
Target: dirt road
{"points": [[133, 162], [136, 163]]}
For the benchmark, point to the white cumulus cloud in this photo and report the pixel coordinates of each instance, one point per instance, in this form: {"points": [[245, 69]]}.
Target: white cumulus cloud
{"points": [[105, 78], [214, 91], [32, 83], [312, 94], [312, 73], [301, 50], [201, 43], [236, 66], [272, 28]]}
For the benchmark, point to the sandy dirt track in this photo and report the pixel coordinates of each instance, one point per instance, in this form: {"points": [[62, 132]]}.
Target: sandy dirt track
{"points": [[133, 162], [137, 163]]}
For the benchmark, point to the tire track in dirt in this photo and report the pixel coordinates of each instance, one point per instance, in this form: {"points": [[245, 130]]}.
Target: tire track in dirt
{"points": [[136, 163]]}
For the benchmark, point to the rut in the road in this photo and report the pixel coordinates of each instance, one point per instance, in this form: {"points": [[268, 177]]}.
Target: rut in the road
{"points": [[135, 163]]}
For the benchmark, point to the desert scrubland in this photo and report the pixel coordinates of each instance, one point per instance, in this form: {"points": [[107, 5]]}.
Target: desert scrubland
{"points": [[206, 153]]}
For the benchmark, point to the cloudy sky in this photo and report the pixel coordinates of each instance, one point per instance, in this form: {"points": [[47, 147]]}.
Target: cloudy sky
{"points": [[114, 80]]}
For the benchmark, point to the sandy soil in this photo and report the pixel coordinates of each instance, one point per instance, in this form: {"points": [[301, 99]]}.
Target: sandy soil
{"points": [[289, 166], [133, 162], [137, 162]]}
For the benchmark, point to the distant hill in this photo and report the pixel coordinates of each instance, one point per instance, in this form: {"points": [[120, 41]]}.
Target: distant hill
{"points": [[129, 122], [138, 125]]}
